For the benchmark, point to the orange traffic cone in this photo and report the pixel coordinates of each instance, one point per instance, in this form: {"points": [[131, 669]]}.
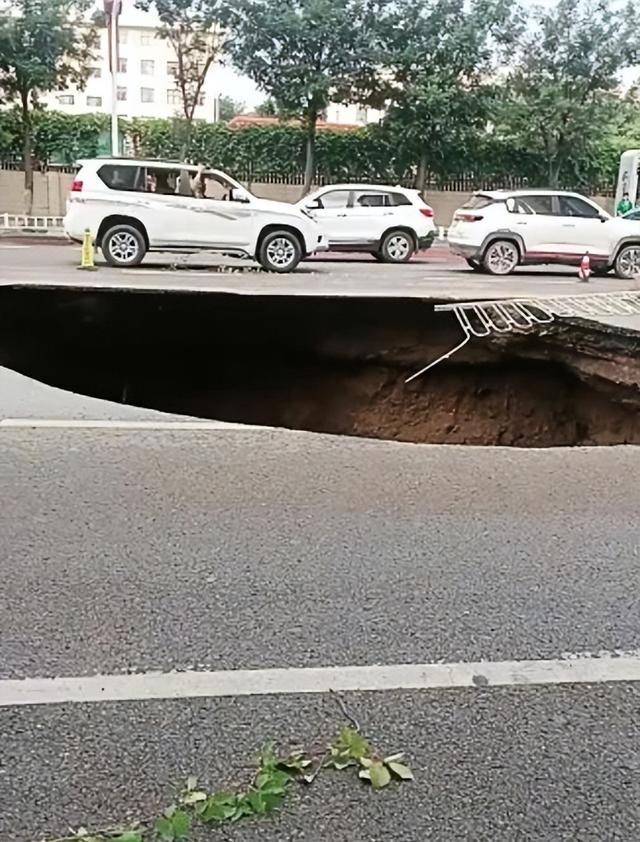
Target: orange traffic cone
{"points": [[584, 272]]}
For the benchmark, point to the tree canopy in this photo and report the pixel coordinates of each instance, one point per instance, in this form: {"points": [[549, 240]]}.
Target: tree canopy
{"points": [[306, 53], [45, 45]]}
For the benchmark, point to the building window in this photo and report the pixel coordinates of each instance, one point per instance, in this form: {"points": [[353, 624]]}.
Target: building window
{"points": [[200, 99], [122, 94], [173, 97], [172, 68], [96, 72], [123, 36], [94, 101], [147, 95], [147, 67], [122, 65], [146, 39], [66, 99]]}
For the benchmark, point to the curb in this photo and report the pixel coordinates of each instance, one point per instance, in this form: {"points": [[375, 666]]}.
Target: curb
{"points": [[34, 234]]}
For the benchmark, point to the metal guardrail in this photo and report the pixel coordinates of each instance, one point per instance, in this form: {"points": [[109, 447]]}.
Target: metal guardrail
{"points": [[481, 319], [20, 222]]}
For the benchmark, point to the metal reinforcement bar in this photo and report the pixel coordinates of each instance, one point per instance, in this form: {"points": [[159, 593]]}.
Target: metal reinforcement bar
{"points": [[517, 315]]}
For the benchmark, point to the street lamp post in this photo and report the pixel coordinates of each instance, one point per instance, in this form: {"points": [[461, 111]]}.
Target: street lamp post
{"points": [[112, 10]]}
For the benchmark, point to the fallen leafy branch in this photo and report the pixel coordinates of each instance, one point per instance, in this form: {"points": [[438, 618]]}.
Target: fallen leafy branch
{"points": [[266, 793]]}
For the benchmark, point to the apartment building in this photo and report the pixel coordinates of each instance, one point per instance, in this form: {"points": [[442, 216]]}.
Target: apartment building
{"points": [[146, 82]]}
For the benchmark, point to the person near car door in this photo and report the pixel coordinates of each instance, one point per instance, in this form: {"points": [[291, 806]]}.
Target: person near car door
{"points": [[624, 205]]}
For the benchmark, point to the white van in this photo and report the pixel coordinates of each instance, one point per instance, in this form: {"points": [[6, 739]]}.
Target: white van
{"points": [[132, 207]]}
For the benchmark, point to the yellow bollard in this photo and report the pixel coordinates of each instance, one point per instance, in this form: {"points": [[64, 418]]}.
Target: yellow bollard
{"points": [[87, 261]]}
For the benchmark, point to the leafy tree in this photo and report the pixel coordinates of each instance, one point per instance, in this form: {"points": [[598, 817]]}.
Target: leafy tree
{"points": [[45, 45], [194, 31], [229, 108], [268, 108], [443, 54], [305, 53], [562, 95]]}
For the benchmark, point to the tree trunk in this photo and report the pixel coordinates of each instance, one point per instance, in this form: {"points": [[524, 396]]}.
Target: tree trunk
{"points": [[27, 154], [554, 173], [310, 156], [185, 129], [421, 175]]}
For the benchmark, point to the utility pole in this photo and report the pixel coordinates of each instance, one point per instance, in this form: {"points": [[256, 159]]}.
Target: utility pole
{"points": [[112, 11]]}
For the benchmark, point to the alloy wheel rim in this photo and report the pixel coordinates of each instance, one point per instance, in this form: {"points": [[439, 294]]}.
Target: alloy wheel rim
{"points": [[281, 252], [398, 247], [123, 246], [502, 258], [630, 262]]}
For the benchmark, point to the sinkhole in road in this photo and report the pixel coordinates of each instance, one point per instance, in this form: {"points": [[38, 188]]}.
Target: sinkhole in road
{"points": [[332, 365]]}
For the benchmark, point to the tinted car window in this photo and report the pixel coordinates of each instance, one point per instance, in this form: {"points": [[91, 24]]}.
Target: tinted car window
{"points": [[572, 206], [399, 200], [371, 200], [123, 176], [162, 180], [335, 199], [634, 216], [542, 205]]}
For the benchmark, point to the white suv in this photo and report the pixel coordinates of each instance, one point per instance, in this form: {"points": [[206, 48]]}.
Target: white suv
{"points": [[391, 223], [132, 207], [498, 231]]}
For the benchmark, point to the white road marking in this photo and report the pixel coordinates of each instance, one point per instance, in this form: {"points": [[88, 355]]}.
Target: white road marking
{"points": [[260, 682], [81, 424]]}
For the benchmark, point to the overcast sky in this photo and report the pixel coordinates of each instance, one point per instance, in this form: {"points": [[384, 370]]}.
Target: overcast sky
{"points": [[229, 83]]}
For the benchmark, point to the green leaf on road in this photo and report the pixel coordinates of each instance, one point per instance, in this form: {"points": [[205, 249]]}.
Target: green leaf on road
{"points": [[400, 770], [379, 775]]}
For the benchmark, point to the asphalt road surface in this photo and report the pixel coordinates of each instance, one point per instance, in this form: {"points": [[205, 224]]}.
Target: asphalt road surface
{"points": [[135, 545], [136, 551]]}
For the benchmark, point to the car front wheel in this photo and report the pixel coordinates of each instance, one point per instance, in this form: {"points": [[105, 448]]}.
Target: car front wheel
{"points": [[123, 245], [397, 247], [474, 264], [628, 262], [280, 251], [501, 258]]}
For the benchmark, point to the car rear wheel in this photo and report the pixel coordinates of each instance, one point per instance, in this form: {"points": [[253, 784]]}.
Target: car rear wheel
{"points": [[474, 264], [501, 258], [123, 245], [397, 247], [280, 251], [628, 262]]}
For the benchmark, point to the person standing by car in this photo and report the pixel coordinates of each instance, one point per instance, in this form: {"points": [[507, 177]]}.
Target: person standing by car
{"points": [[624, 206]]}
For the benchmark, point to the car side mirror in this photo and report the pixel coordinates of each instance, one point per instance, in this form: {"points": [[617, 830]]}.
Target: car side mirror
{"points": [[603, 218], [239, 194], [314, 205]]}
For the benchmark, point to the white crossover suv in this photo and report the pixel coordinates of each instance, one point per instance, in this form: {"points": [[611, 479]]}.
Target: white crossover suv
{"points": [[499, 231], [391, 223], [133, 207]]}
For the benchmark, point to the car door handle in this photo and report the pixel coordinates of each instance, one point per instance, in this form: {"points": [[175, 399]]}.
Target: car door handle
{"points": [[341, 214], [569, 225]]}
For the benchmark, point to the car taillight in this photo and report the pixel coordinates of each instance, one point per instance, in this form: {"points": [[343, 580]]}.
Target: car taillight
{"points": [[76, 187], [427, 212], [468, 217]]}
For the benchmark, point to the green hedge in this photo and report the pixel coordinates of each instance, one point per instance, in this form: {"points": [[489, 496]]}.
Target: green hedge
{"points": [[276, 153]]}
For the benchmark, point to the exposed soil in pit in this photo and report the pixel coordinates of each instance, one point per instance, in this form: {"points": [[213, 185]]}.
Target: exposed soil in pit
{"points": [[328, 365]]}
